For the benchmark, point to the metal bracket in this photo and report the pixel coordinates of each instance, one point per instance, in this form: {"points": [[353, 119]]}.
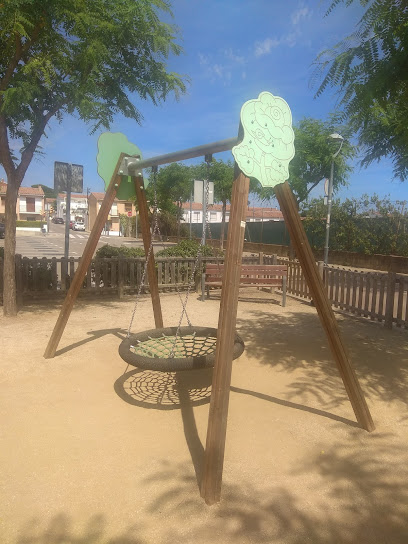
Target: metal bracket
{"points": [[126, 163]]}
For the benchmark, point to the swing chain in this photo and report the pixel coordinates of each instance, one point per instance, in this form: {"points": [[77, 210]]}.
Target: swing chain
{"points": [[149, 253], [208, 159]]}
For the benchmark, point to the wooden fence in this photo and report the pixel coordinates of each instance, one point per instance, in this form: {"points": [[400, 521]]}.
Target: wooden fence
{"points": [[374, 295]]}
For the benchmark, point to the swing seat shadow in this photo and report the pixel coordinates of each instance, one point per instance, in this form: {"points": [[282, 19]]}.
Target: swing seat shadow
{"points": [[164, 390]]}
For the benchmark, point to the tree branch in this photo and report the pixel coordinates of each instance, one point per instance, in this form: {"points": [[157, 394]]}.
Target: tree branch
{"points": [[20, 53], [28, 152], [5, 154]]}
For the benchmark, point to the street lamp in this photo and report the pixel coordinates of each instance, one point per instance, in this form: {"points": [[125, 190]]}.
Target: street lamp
{"points": [[336, 138]]}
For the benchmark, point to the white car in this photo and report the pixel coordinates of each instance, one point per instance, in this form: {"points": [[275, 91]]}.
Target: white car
{"points": [[79, 226]]}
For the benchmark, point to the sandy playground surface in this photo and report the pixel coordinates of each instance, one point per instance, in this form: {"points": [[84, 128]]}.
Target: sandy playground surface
{"points": [[93, 451]]}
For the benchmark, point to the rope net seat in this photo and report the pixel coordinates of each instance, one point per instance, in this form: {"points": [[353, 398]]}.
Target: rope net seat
{"points": [[174, 348]]}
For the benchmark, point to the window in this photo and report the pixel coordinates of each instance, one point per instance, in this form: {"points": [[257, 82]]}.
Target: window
{"points": [[30, 204], [196, 217], [114, 209], [213, 217], [128, 208]]}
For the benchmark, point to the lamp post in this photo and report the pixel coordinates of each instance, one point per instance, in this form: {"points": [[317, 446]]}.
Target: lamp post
{"points": [[337, 138]]}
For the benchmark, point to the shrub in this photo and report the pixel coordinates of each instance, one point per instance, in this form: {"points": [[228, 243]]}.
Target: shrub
{"points": [[189, 248], [122, 251], [30, 224]]}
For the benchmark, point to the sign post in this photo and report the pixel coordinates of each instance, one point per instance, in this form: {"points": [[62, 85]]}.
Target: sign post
{"points": [[67, 213], [68, 177]]}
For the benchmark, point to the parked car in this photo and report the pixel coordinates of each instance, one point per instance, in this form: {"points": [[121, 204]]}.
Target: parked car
{"points": [[78, 226], [2, 230], [58, 220]]}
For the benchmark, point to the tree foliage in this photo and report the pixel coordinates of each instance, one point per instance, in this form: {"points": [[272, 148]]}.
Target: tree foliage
{"points": [[369, 225], [314, 150], [92, 59], [48, 192], [369, 70], [173, 184]]}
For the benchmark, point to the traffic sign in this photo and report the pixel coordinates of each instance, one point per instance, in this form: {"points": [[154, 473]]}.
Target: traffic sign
{"points": [[129, 214]]}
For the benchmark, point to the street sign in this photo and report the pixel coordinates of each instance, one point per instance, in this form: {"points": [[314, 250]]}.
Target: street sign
{"points": [[64, 173], [199, 192], [129, 214], [326, 187]]}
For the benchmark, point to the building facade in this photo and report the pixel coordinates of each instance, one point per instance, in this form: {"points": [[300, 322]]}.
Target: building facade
{"points": [[78, 207], [194, 213], [30, 203], [118, 208]]}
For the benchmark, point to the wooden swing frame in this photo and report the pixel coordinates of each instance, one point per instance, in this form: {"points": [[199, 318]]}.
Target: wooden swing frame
{"points": [[217, 420]]}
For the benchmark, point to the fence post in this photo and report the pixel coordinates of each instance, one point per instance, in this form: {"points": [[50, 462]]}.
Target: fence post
{"points": [[320, 267], [275, 262], [389, 303], [120, 277], [19, 280], [261, 260], [202, 277]]}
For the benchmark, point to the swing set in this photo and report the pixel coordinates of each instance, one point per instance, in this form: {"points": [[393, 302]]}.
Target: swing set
{"points": [[263, 150]]}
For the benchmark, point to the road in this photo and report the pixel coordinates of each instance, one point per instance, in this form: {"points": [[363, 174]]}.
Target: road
{"points": [[35, 244]]}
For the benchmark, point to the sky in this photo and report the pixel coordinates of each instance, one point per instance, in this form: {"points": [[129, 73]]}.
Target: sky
{"points": [[233, 50]]}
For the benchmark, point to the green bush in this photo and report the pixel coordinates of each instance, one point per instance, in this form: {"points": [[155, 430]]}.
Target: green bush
{"points": [[189, 248], [122, 251], [30, 224]]}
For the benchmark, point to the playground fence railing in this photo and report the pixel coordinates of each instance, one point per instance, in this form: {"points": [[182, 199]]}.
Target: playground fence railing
{"points": [[375, 295]]}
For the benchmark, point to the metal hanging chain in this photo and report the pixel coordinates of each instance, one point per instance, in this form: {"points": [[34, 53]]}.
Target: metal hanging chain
{"points": [[154, 232], [208, 159], [183, 303]]}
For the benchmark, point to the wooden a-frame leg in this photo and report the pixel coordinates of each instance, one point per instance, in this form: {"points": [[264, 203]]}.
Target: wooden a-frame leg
{"points": [[83, 264], [151, 268], [305, 255], [217, 420]]}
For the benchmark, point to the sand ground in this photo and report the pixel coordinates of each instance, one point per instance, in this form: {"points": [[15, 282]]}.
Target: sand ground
{"points": [[93, 451]]}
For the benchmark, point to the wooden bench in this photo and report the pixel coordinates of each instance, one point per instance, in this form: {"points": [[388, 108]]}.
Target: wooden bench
{"points": [[253, 275]]}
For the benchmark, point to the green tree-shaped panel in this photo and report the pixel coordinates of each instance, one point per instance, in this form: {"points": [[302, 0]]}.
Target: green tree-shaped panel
{"points": [[110, 146]]}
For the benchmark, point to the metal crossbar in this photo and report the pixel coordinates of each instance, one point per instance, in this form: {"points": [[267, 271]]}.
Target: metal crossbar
{"points": [[132, 166]]}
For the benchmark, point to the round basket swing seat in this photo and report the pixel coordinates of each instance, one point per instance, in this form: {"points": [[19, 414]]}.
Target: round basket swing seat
{"points": [[158, 349]]}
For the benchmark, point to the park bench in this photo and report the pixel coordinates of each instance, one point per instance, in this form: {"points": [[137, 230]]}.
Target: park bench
{"points": [[253, 275]]}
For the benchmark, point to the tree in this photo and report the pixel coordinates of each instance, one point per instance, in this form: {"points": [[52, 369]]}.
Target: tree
{"points": [[369, 71], [313, 157], [173, 187], [93, 59], [49, 193], [367, 225], [222, 175]]}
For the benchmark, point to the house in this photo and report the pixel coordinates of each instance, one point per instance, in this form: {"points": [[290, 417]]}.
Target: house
{"points": [[30, 203], [78, 207], [214, 213], [119, 207]]}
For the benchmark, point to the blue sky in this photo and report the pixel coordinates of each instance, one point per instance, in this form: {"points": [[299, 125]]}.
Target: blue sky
{"points": [[233, 50]]}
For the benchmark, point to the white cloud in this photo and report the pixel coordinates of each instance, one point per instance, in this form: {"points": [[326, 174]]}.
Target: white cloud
{"points": [[243, 75], [204, 60], [299, 14], [218, 70], [265, 47], [224, 68], [230, 55]]}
